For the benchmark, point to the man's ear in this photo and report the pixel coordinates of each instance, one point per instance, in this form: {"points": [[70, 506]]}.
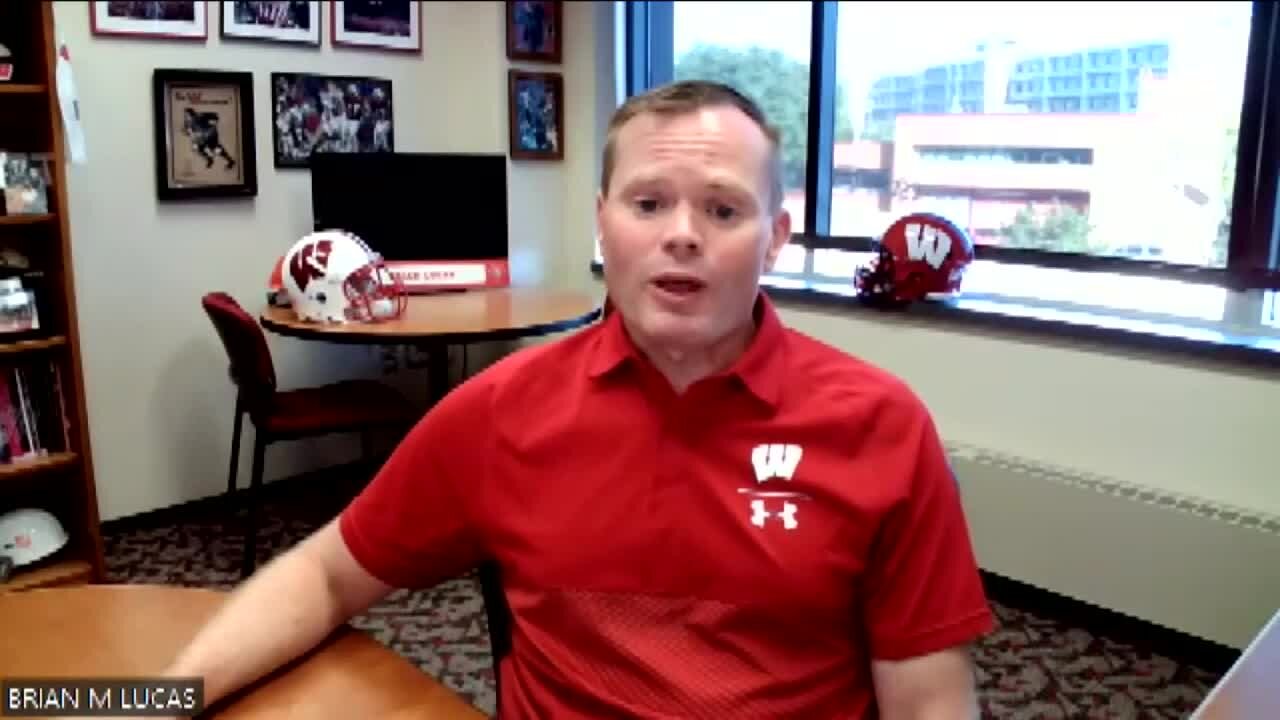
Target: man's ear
{"points": [[780, 237]]}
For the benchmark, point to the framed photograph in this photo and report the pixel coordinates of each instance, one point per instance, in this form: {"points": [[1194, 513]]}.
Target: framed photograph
{"points": [[173, 19], [536, 106], [276, 21], [25, 179], [329, 113], [204, 136], [534, 30], [385, 24]]}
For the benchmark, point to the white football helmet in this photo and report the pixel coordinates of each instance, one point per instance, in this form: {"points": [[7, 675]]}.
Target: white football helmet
{"points": [[333, 276], [29, 535]]}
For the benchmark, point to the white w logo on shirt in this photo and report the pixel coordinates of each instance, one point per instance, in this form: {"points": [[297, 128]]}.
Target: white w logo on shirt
{"points": [[775, 461], [932, 245]]}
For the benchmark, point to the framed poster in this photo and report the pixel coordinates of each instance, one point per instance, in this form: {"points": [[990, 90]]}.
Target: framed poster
{"points": [[204, 135], [285, 22], [171, 19], [535, 105], [384, 24], [534, 30], [329, 113]]}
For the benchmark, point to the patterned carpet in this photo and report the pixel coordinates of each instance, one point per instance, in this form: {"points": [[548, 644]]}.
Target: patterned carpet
{"points": [[1031, 668]]}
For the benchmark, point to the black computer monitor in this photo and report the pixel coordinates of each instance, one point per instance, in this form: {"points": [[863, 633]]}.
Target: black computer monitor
{"points": [[414, 207]]}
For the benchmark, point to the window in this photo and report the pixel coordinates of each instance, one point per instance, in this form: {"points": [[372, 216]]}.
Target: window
{"points": [[1271, 310], [1161, 173], [1090, 151], [763, 53]]}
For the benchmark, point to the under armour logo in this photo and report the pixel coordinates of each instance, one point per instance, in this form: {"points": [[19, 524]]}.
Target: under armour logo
{"points": [[787, 515], [775, 461]]}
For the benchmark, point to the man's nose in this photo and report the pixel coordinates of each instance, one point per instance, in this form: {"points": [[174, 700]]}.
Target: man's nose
{"points": [[682, 236]]}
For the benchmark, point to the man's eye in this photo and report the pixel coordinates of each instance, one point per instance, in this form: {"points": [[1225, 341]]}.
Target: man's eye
{"points": [[647, 204], [724, 212]]}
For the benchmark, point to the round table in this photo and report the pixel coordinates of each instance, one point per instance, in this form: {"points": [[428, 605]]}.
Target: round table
{"points": [[436, 320], [115, 631], [477, 315]]}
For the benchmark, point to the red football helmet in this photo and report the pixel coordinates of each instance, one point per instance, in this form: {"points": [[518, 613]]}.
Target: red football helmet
{"points": [[921, 253]]}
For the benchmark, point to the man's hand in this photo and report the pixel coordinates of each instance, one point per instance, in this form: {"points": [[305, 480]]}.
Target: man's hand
{"points": [[939, 686]]}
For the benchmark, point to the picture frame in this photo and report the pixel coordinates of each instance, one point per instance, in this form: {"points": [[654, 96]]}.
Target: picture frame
{"points": [[204, 134], [313, 113], [535, 106], [167, 20], [25, 183], [296, 23], [394, 25], [535, 30]]}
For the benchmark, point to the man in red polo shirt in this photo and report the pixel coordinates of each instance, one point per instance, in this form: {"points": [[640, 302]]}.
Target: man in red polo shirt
{"points": [[697, 512]]}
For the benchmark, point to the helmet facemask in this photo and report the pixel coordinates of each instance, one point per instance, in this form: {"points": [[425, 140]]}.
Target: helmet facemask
{"points": [[374, 294]]}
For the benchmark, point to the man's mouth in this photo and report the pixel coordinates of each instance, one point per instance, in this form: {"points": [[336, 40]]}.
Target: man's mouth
{"points": [[679, 284]]}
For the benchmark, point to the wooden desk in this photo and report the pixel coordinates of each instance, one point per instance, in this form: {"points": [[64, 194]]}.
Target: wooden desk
{"points": [[1251, 688], [114, 631]]}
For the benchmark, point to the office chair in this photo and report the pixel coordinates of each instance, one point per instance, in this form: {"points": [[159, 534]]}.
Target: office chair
{"points": [[283, 415]]}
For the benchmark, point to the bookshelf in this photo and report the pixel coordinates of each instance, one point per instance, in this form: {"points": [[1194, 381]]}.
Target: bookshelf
{"points": [[45, 458]]}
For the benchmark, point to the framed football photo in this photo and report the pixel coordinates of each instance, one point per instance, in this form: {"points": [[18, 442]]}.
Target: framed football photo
{"points": [[171, 19], [272, 21], [535, 105], [204, 134], [329, 113], [384, 24]]}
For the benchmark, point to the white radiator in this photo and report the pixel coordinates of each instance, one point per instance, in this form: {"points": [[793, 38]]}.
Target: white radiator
{"points": [[1186, 563]]}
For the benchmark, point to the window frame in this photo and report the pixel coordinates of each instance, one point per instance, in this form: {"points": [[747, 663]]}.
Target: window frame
{"points": [[1253, 248]]}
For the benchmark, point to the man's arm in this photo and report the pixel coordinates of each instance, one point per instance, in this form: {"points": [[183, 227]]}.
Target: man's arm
{"points": [[937, 686], [280, 613], [925, 603], [409, 527]]}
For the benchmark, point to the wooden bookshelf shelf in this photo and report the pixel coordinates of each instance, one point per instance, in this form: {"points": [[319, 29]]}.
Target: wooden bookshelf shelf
{"points": [[32, 219], [67, 572], [18, 468], [8, 348], [22, 89]]}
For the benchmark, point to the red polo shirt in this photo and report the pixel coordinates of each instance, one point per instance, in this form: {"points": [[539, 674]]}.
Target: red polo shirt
{"points": [[743, 550]]}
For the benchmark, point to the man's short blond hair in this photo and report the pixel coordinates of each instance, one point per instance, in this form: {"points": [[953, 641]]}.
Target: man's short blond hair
{"points": [[686, 97]]}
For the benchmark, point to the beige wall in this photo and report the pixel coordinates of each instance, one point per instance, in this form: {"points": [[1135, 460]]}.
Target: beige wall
{"points": [[159, 400]]}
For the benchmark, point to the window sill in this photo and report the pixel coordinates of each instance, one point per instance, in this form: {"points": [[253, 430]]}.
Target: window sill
{"points": [[1108, 331]]}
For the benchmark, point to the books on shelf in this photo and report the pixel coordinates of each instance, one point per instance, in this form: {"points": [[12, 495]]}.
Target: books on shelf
{"points": [[33, 410]]}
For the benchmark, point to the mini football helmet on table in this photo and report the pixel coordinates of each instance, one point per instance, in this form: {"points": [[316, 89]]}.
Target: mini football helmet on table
{"points": [[921, 254], [332, 276]]}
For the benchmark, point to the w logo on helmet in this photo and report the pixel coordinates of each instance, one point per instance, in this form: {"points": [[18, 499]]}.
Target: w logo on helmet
{"points": [[928, 243], [310, 262]]}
